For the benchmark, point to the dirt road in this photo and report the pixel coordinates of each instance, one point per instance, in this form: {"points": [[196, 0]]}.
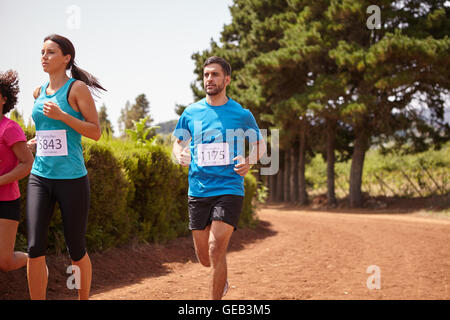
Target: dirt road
{"points": [[292, 254]]}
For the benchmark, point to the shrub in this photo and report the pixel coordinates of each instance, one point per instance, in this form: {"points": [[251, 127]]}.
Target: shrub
{"points": [[248, 217], [110, 220]]}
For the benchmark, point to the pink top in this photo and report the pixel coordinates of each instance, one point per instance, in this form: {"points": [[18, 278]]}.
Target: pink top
{"points": [[10, 133]]}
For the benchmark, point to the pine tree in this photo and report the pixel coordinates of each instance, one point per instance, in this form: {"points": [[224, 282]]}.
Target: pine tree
{"points": [[139, 110], [105, 124], [303, 65]]}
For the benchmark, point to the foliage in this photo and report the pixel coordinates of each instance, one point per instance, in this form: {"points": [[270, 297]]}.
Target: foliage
{"points": [[105, 123], [417, 175], [132, 113], [248, 209], [314, 66], [141, 134]]}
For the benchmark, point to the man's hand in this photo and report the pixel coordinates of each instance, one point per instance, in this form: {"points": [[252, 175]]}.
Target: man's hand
{"points": [[181, 152], [184, 158], [242, 167]]}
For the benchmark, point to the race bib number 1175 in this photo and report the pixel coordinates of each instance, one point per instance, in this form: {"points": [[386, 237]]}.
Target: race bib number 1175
{"points": [[51, 143], [213, 154]]}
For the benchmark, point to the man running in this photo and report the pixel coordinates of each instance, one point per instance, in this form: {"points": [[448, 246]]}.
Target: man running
{"points": [[211, 135]]}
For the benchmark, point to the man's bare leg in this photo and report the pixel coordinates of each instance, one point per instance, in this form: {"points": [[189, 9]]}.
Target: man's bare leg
{"points": [[219, 238], [201, 244]]}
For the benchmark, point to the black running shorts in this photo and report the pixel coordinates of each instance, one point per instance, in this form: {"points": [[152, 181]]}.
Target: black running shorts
{"points": [[203, 210], [10, 210]]}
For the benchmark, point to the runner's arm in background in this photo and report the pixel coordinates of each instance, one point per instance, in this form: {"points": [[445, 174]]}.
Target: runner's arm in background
{"points": [[25, 158]]}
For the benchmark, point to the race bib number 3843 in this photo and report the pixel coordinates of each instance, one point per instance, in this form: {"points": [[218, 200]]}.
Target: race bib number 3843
{"points": [[213, 154], [51, 143]]}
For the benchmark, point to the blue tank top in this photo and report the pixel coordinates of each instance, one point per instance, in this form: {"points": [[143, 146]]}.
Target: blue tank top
{"points": [[59, 155]]}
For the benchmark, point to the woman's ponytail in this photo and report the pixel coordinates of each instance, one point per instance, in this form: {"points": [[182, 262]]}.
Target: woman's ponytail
{"points": [[87, 78], [77, 73]]}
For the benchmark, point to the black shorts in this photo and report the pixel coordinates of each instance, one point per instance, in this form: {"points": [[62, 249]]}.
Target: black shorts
{"points": [[10, 210], [203, 210]]}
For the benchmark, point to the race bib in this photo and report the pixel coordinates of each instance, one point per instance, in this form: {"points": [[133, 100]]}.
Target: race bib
{"points": [[51, 143], [213, 154]]}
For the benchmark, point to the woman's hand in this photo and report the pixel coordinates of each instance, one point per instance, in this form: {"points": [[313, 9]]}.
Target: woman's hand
{"points": [[53, 111], [31, 144]]}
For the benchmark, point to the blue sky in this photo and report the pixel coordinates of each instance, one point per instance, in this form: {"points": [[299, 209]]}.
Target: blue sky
{"points": [[132, 47]]}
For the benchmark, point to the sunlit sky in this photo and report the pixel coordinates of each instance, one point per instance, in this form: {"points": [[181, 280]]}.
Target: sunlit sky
{"points": [[132, 46]]}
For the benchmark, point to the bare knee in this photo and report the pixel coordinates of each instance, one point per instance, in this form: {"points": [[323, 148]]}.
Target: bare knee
{"points": [[216, 252]]}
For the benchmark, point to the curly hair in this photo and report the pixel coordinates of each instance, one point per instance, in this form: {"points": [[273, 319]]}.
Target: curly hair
{"points": [[9, 88]]}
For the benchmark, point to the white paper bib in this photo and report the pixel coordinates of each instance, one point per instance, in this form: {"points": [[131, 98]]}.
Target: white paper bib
{"points": [[51, 143], [213, 154]]}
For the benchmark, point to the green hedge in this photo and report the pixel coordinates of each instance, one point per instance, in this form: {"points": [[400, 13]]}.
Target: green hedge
{"points": [[137, 194], [251, 189]]}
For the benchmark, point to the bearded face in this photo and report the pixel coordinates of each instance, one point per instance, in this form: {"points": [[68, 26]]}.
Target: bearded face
{"points": [[214, 79]]}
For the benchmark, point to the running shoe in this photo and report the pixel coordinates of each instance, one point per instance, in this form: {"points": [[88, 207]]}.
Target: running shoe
{"points": [[225, 289]]}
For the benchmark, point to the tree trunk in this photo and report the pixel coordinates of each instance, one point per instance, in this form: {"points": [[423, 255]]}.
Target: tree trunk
{"points": [[280, 175], [356, 170], [293, 176], [272, 187], [287, 158], [331, 146], [302, 195]]}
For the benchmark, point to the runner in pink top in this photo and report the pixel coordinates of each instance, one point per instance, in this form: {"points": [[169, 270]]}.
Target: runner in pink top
{"points": [[16, 161], [10, 134]]}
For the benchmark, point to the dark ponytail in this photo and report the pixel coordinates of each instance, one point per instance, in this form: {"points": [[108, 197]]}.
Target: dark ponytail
{"points": [[77, 73], [86, 77]]}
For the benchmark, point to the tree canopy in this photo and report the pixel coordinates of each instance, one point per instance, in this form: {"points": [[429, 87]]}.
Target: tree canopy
{"points": [[316, 71], [132, 113]]}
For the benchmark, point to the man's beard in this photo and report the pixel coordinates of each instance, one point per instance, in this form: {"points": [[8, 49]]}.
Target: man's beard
{"points": [[218, 89]]}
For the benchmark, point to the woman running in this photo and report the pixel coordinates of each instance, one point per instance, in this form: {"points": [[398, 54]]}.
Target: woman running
{"points": [[63, 111], [15, 163]]}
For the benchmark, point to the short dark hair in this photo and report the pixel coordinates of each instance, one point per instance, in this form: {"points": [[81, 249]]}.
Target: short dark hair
{"points": [[9, 88], [223, 63]]}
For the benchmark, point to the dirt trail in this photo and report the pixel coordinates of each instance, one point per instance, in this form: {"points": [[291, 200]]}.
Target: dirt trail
{"points": [[292, 254], [319, 255]]}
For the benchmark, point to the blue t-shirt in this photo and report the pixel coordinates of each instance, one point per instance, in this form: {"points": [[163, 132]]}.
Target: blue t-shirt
{"points": [[229, 123]]}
